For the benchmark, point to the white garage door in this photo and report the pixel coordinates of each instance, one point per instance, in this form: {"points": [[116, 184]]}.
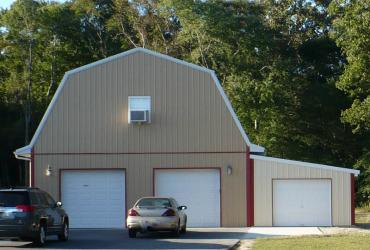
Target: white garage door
{"points": [[302, 202], [94, 198], [199, 190]]}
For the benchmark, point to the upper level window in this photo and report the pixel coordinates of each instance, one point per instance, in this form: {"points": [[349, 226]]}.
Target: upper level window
{"points": [[139, 109]]}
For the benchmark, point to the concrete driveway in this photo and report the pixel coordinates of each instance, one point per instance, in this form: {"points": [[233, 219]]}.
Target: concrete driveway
{"points": [[195, 238]]}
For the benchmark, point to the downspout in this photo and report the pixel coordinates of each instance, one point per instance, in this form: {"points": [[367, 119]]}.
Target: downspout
{"points": [[353, 200], [32, 169]]}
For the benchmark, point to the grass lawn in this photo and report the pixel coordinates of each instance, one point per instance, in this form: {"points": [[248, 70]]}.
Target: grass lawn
{"points": [[348, 241]]}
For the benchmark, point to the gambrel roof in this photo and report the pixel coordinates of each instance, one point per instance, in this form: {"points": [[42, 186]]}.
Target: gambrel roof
{"points": [[25, 152]]}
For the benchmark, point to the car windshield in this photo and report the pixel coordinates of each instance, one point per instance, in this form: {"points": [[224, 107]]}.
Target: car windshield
{"points": [[12, 199], [154, 202]]}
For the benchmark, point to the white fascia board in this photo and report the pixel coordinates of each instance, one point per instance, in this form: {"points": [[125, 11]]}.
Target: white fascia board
{"points": [[23, 153], [305, 164], [253, 148]]}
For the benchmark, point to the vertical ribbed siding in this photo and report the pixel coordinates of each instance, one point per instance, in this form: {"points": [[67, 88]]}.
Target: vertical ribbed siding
{"points": [[188, 115], [265, 171], [188, 112], [139, 179]]}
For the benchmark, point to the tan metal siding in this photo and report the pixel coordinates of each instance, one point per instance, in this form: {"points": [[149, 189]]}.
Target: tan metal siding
{"points": [[265, 171], [139, 175], [88, 128], [188, 113]]}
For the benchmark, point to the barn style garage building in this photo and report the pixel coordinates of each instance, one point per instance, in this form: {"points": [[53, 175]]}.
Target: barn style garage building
{"points": [[141, 123]]}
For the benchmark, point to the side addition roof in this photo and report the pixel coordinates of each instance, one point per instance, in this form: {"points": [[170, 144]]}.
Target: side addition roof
{"points": [[305, 164], [24, 153]]}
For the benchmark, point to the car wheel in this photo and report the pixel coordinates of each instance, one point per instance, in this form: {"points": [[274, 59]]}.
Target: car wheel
{"points": [[132, 233], [63, 236], [183, 229], [41, 236]]}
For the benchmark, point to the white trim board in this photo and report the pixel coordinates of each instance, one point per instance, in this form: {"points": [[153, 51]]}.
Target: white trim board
{"points": [[305, 164], [253, 148]]}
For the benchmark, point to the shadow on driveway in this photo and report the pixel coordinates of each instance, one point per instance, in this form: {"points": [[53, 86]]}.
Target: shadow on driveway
{"points": [[118, 239]]}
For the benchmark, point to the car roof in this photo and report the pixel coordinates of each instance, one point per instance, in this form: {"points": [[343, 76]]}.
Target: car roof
{"points": [[9, 189], [155, 197]]}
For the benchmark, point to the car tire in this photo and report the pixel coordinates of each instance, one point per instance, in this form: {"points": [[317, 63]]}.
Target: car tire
{"points": [[183, 229], [132, 233], [41, 236], [64, 234]]}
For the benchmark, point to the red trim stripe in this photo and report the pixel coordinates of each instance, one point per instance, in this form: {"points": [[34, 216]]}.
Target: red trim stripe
{"points": [[142, 153], [250, 189], [353, 200]]}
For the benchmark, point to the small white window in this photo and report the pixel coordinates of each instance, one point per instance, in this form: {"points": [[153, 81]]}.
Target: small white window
{"points": [[139, 109]]}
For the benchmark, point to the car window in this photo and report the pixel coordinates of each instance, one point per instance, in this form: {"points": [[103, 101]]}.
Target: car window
{"points": [[175, 204], [13, 198], [154, 202], [34, 199], [50, 200], [42, 199]]}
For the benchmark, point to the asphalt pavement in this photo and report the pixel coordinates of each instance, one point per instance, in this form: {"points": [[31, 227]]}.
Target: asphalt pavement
{"points": [[217, 238]]}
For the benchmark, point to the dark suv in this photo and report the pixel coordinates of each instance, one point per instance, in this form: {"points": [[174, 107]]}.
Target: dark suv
{"points": [[31, 214]]}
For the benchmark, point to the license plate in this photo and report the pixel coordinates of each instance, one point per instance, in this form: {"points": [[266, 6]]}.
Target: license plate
{"points": [[5, 215], [151, 223]]}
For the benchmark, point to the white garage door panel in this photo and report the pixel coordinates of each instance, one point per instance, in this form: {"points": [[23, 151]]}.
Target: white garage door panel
{"points": [[199, 190], [94, 198], [302, 202]]}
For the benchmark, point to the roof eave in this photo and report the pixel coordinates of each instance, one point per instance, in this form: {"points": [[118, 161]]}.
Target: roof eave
{"points": [[306, 164], [23, 153]]}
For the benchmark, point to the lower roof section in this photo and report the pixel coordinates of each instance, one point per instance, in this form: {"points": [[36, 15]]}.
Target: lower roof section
{"points": [[305, 164]]}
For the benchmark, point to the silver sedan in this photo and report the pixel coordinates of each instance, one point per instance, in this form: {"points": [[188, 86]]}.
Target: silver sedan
{"points": [[156, 214]]}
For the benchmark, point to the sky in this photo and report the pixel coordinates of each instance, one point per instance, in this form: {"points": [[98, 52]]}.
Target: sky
{"points": [[6, 3]]}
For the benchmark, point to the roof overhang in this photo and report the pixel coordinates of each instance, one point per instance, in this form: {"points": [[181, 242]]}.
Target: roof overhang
{"points": [[23, 153], [306, 164]]}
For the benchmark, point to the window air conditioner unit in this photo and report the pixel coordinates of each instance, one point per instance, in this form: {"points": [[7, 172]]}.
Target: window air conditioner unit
{"points": [[139, 116]]}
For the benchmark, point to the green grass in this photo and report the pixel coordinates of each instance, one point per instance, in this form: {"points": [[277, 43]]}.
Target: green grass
{"points": [[348, 242]]}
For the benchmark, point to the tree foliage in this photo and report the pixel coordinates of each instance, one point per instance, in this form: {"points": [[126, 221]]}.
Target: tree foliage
{"points": [[351, 32], [295, 70]]}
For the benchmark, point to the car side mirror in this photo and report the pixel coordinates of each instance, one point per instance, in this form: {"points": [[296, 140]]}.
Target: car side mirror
{"points": [[182, 207], [59, 204]]}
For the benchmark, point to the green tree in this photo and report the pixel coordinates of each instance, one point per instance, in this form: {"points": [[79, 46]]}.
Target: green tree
{"points": [[351, 22]]}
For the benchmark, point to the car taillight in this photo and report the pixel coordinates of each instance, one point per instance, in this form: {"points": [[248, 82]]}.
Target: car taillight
{"points": [[133, 212], [169, 212], [25, 208]]}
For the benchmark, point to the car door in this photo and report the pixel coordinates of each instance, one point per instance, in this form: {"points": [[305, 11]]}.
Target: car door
{"points": [[181, 212], [39, 210], [54, 211], [44, 211]]}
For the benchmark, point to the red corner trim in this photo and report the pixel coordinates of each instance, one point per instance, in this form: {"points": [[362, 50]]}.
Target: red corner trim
{"points": [[353, 201], [250, 189], [32, 169]]}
